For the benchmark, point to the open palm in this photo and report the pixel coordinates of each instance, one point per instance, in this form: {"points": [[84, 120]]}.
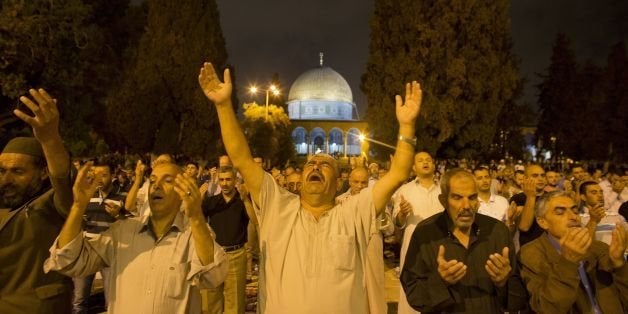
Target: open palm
{"points": [[217, 91], [408, 109]]}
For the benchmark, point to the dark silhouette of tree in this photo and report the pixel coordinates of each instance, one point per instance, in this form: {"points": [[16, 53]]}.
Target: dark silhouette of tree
{"points": [[616, 89], [559, 100], [158, 105], [71, 48], [460, 52]]}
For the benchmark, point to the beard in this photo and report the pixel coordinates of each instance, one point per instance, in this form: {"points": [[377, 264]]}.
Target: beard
{"points": [[13, 196]]}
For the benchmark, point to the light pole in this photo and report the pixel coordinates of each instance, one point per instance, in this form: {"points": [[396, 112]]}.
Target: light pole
{"points": [[271, 89]]}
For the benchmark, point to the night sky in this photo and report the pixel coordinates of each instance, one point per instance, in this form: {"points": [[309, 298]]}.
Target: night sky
{"points": [[285, 37]]}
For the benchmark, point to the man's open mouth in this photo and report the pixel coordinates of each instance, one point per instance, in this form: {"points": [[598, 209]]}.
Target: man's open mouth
{"points": [[315, 177]]}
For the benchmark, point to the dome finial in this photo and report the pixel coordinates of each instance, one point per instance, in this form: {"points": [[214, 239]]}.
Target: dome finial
{"points": [[320, 55]]}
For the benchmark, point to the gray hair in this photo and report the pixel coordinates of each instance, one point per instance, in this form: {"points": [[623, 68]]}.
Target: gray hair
{"points": [[445, 182], [541, 205]]}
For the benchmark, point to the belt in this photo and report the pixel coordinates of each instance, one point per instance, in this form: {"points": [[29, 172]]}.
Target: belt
{"points": [[232, 247]]}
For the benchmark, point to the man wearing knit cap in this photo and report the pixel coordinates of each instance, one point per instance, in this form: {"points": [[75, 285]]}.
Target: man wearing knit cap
{"points": [[35, 197]]}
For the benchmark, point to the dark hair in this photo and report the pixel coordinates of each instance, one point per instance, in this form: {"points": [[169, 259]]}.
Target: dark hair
{"points": [[481, 168], [105, 162], [226, 169], [583, 186]]}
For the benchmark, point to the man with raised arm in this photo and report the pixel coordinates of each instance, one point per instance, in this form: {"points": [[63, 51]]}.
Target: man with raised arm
{"points": [[158, 262], [312, 257], [35, 198]]}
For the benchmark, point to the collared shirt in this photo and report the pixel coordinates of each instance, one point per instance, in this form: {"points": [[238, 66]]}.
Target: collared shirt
{"points": [[475, 293], [228, 219], [309, 265], [496, 207], [148, 275]]}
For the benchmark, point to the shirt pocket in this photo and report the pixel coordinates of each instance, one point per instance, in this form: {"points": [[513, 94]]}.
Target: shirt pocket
{"points": [[343, 251], [176, 277]]}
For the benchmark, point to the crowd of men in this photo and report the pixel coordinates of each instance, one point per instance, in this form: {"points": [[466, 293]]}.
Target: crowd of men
{"points": [[180, 237]]}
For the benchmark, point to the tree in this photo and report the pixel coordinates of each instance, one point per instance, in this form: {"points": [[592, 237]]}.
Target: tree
{"points": [[460, 52], [158, 105], [268, 136], [73, 49], [558, 98], [616, 90]]}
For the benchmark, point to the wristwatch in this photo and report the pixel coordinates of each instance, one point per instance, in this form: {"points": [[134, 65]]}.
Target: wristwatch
{"points": [[411, 141]]}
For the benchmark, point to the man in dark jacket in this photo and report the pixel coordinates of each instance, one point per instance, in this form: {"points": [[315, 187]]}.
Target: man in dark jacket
{"points": [[35, 197], [459, 261]]}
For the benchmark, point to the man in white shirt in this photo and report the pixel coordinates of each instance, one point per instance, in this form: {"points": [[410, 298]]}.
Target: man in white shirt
{"points": [[491, 204], [421, 195], [157, 263], [311, 249]]}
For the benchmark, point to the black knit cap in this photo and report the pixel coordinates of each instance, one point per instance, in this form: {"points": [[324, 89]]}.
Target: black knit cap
{"points": [[24, 145]]}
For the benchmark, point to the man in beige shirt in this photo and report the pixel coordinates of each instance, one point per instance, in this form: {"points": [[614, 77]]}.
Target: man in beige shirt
{"points": [[311, 249], [157, 263]]}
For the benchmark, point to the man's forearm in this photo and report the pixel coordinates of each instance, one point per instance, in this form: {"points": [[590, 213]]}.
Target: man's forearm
{"points": [[203, 240], [399, 169], [58, 162], [238, 149], [233, 136], [131, 198], [73, 225]]}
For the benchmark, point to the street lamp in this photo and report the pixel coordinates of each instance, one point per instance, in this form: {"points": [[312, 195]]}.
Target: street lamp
{"points": [[271, 89]]}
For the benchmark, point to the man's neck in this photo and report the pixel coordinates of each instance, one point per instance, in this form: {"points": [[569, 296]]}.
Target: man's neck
{"points": [[426, 180], [484, 195], [316, 206], [228, 196], [463, 236], [161, 223]]}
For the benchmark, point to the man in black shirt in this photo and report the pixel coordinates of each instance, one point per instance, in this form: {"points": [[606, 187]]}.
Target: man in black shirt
{"points": [[228, 217], [459, 261], [533, 188]]}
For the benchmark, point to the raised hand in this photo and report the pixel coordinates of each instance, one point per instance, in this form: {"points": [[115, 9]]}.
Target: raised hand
{"points": [[451, 271], [190, 195], [597, 213], [45, 123], [85, 186], [140, 168], [215, 90], [513, 213], [529, 187], [407, 109], [575, 244], [498, 267], [405, 208], [619, 242]]}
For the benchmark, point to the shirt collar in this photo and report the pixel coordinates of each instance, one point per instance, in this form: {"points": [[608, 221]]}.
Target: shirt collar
{"points": [[178, 224]]}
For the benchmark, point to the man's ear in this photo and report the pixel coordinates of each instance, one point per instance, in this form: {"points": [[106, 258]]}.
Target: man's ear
{"points": [[542, 222]]}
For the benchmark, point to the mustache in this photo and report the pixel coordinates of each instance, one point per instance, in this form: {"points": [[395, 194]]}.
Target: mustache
{"points": [[465, 212]]}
